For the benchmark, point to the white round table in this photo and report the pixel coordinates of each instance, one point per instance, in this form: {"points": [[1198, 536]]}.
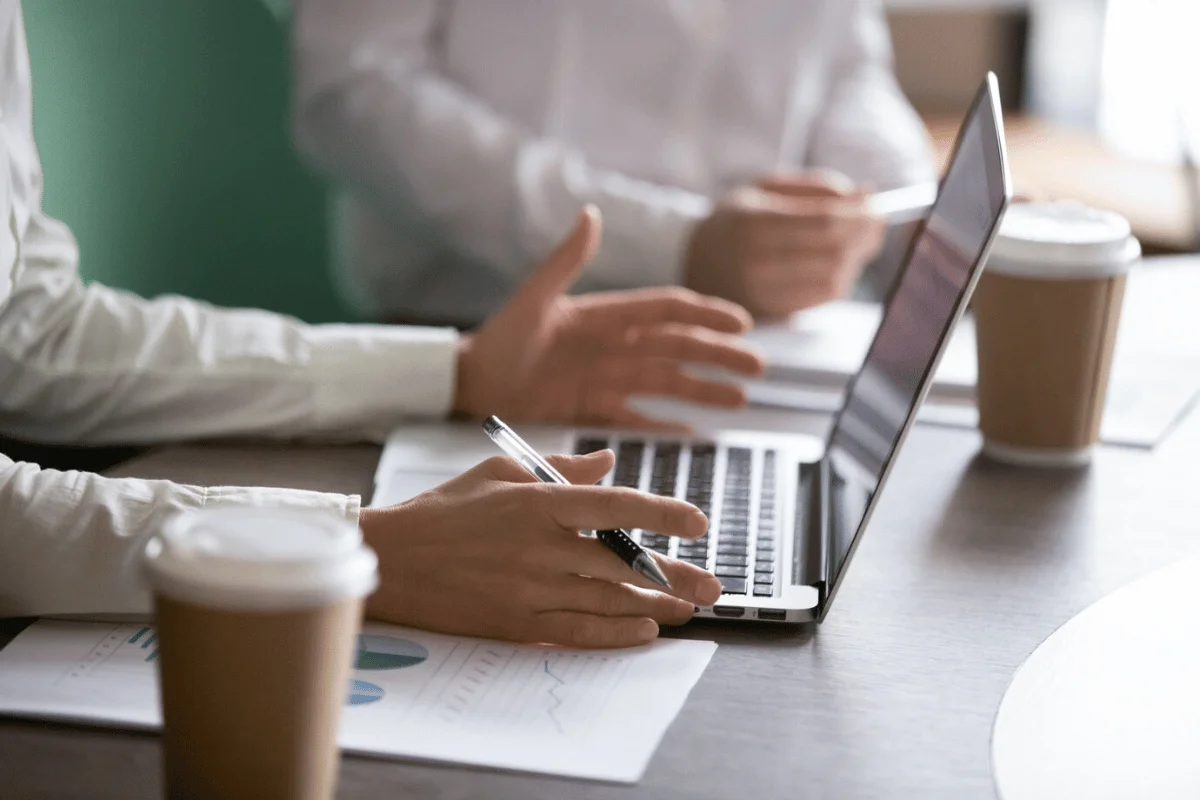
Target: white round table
{"points": [[1109, 705]]}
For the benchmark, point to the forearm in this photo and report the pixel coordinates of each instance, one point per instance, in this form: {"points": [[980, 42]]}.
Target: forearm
{"points": [[93, 365], [71, 542]]}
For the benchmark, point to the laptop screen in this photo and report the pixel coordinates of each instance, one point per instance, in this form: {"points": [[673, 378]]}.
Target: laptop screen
{"points": [[926, 301]]}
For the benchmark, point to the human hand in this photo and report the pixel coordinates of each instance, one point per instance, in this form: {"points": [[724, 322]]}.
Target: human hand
{"points": [[546, 357], [492, 553], [784, 244]]}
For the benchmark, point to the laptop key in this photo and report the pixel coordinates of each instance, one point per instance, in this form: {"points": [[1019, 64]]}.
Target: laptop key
{"points": [[731, 585], [763, 591], [731, 571], [727, 559]]}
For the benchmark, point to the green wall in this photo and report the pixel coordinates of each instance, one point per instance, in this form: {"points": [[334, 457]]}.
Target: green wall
{"points": [[163, 130]]}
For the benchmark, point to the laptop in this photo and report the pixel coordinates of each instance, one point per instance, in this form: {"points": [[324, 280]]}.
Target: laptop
{"points": [[786, 511]]}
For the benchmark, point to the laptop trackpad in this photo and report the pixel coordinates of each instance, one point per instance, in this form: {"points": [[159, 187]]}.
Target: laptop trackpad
{"points": [[401, 485]]}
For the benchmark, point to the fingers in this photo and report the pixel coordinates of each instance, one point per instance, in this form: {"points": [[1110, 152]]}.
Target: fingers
{"points": [[617, 599], [585, 508], [767, 206], [688, 343], [668, 379], [837, 228], [623, 417], [699, 586], [668, 304], [585, 469], [554, 276], [577, 629], [590, 557], [816, 183], [500, 468]]}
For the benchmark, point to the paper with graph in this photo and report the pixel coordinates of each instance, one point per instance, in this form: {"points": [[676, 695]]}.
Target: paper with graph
{"points": [[587, 714]]}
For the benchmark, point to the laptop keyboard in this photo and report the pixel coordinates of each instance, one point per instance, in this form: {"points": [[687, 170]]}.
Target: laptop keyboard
{"points": [[743, 523]]}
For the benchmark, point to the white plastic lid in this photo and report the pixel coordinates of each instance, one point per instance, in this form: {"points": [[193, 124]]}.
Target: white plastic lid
{"points": [[1062, 240], [260, 559]]}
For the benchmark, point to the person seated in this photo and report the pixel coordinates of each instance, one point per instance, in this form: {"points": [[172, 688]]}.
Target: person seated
{"points": [[728, 144], [489, 553]]}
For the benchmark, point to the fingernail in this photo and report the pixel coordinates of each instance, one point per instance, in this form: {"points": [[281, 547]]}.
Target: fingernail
{"points": [[647, 629]]}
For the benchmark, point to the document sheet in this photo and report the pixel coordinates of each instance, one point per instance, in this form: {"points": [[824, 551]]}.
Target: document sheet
{"points": [[810, 358], [412, 694]]}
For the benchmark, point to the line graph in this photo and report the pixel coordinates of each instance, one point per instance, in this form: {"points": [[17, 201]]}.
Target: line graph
{"points": [[502, 687], [558, 701], [119, 648], [590, 714]]}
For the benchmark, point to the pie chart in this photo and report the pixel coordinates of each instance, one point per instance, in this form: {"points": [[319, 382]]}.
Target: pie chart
{"points": [[361, 693], [388, 652]]}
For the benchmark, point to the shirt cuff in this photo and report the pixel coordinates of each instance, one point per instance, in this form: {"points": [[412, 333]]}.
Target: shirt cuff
{"points": [[370, 377], [347, 507], [645, 244]]}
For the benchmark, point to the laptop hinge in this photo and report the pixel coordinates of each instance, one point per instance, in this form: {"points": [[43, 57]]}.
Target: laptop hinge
{"points": [[812, 498]]}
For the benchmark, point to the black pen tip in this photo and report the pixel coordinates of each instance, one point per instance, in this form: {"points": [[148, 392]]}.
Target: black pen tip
{"points": [[492, 424]]}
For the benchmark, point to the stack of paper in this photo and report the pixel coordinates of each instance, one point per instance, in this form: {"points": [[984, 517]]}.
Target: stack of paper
{"points": [[1155, 376]]}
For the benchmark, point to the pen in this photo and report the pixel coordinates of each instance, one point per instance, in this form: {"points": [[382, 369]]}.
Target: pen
{"points": [[907, 204], [617, 540], [1191, 178]]}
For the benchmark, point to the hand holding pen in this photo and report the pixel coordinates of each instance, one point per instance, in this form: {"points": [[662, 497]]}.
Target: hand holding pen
{"points": [[618, 541], [494, 553]]}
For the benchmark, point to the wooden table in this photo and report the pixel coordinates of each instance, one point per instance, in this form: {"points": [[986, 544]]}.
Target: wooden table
{"points": [[1053, 161], [966, 568]]}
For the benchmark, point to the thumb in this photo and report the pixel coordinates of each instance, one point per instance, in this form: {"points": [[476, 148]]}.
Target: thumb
{"points": [[818, 183], [584, 470], [554, 276]]}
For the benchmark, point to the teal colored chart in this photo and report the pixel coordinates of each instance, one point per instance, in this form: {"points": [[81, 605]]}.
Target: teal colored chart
{"points": [[362, 693], [388, 652], [148, 638]]}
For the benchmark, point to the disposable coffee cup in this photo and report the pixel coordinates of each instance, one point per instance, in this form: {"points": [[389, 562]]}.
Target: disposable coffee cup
{"points": [[257, 613], [1047, 309]]}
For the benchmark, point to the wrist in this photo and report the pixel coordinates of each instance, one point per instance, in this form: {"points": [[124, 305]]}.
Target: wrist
{"points": [[693, 271], [464, 378]]}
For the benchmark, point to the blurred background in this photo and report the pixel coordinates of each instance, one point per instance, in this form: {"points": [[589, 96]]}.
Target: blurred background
{"points": [[163, 129]]}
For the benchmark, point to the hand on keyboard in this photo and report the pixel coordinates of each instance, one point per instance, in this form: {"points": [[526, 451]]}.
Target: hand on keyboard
{"points": [[490, 553]]}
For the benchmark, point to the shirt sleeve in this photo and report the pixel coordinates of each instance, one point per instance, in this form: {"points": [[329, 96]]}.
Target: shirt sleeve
{"points": [[866, 127], [372, 110], [71, 542], [89, 365]]}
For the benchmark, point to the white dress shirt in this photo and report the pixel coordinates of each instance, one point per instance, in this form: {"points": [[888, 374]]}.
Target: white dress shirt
{"points": [[89, 365], [471, 131]]}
